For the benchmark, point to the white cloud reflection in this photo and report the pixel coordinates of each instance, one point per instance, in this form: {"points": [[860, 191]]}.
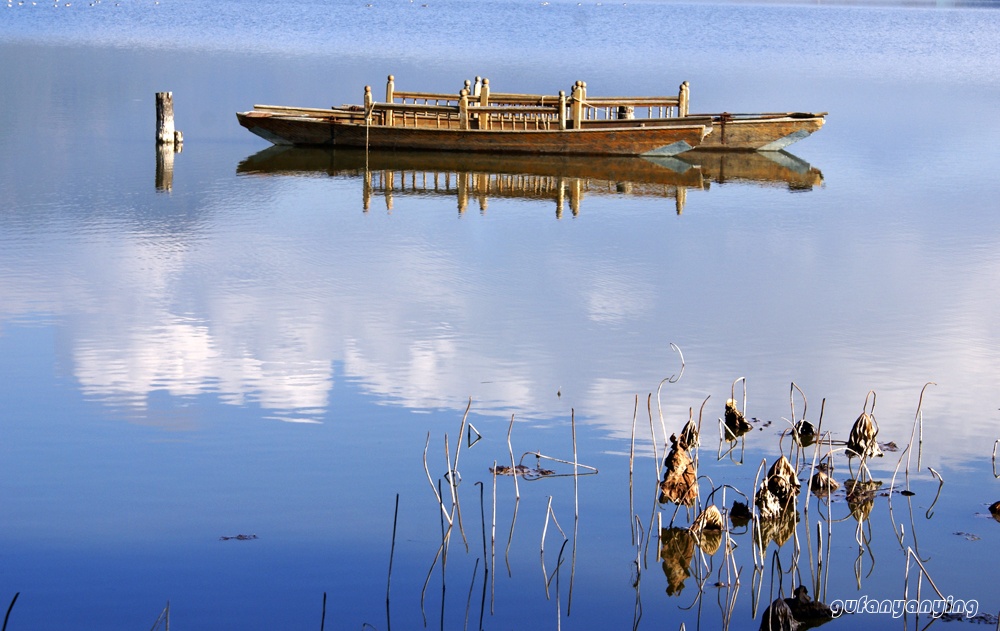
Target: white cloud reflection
{"points": [[264, 300]]}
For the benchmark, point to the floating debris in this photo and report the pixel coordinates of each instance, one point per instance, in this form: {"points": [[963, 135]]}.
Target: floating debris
{"points": [[521, 470], [680, 482], [982, 618], [238, 538], [968, 536]]}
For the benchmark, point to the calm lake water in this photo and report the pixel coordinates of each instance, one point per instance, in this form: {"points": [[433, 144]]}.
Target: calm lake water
{"points": [[262, 344]]}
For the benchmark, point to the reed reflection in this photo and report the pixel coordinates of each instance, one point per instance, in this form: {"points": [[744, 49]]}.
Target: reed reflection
{"points": [[564, 180]]}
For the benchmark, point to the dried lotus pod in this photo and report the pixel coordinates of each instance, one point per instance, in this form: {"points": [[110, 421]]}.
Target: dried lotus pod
{"points": [[689, 434], [676, 550], [862, 442], [822, 484], [778, 528], [767, 503], [782, 481], [804, 433], [710, 519], [680, 482], [736, 422], [861, 497]]}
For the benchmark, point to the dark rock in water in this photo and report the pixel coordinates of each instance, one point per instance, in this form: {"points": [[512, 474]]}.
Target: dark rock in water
{"points": [[811, 613], [740, 514], [995, 508], [797, 613], [778, 617]]}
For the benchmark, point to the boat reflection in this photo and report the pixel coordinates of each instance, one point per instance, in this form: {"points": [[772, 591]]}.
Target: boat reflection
{"points": [[566, 180]]}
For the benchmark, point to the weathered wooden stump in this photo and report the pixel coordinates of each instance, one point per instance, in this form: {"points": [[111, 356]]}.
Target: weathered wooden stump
{"points": [[165, 118], [164, 167]]}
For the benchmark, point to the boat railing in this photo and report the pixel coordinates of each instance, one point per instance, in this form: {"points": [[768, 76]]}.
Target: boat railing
{"points": [[477, 107], [481, 186]]}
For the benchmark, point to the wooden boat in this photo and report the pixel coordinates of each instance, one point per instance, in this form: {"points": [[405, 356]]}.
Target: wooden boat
{"points": [[759, 132], [560, 178], [478, 120]]}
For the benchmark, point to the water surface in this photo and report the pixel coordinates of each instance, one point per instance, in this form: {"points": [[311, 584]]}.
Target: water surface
{"points": [[260, 350]]}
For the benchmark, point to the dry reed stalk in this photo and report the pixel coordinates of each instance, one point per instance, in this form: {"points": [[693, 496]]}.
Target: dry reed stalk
{"points": [[652, 433], [468, 601], [461, 432], [510, 448], [995, 474], [453, 477], [670, 379], [430, 481], [510, 536], [13, 600], [910, 554], [164, 616], [631, 461], [551, 474], [388, 581], [930, 508], [322, 620], [576, 512], [493, 543]]}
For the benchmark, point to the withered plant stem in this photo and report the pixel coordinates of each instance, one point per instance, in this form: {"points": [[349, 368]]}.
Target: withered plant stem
{"points": [[388, 581], [631, 461], [11, 606]]}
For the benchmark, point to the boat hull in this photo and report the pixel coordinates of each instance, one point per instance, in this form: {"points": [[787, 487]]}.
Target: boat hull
{"points": [[633, 139], [765, 132]]}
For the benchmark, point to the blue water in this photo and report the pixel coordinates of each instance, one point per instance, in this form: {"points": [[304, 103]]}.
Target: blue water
{"points": [[241, 353]]}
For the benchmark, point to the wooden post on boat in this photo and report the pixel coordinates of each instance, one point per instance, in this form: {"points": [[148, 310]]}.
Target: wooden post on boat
{"points": [[577, 97], [369, 105], [562, 109], [682, 99], [390, 88], [463, 109], [462, 183], [366, 191], [575, 196], [484, 101]]}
